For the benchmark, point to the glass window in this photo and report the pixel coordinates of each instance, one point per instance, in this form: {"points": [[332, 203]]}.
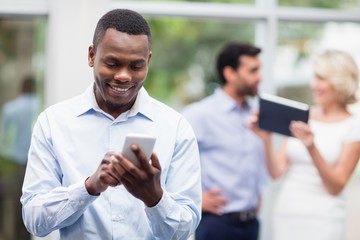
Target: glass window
{"points": [[182, 68], [22, 43], [298, 42], [339, 4]]}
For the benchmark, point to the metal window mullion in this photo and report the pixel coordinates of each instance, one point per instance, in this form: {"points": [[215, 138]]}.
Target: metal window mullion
{"points": [[194, 10], [24, 7]]}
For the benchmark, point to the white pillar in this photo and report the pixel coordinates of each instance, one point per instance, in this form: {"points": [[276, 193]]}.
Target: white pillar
{"points": [[266, 38], [70, 29]]}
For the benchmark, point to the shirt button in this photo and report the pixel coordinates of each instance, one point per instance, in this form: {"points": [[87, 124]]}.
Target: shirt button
{"points": [[82, 202], [118, 218]]}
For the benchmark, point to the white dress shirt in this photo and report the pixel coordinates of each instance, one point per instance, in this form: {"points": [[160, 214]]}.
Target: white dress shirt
{"points": [[68, 143]]}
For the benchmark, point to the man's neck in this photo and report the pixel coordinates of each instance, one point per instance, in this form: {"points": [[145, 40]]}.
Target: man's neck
{"points": [[241, 100]]}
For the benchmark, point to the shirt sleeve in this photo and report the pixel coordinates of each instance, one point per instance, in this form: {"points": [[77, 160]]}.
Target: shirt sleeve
{"points": [[178, 213], [191, 113], [52, 206], [354, 131]]}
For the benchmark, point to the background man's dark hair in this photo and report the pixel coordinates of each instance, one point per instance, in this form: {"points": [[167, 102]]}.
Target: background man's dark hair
{"points": [[28, 84], [230, 56], [122, 20]]}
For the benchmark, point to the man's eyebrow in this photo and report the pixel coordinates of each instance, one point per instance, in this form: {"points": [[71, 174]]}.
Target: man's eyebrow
{"points": [[119, 60], [109, 57], [138, 61]]}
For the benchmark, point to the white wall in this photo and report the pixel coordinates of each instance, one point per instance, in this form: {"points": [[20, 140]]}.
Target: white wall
{"points": [[70, 29]]}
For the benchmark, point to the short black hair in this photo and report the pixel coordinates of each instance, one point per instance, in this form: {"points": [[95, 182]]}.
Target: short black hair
{"points": [[28, 84], [230, 56], [122, 20]]}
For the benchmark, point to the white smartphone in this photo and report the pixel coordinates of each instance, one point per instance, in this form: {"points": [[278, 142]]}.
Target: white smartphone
{"points": [[145, 142]]}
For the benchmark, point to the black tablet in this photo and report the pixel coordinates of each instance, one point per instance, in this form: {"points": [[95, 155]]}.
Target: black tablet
{"points": [[276, 113]]}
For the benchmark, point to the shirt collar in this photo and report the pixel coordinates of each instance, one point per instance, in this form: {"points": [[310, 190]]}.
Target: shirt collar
{"points": [[141, 106], [228, 103]]}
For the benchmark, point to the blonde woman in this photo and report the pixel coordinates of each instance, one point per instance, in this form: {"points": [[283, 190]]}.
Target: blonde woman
{"points": [[318, 161]]}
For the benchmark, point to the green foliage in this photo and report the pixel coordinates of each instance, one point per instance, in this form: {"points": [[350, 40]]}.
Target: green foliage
{"points": [[331, 4], [179, 44], [299, 36], [7, 166], [213, 1], [7, 43]]}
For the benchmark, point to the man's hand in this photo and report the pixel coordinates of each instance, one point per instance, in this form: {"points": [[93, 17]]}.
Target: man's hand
{"points": [[253, 125], [107, 174], [213, 201], [142, 182]]}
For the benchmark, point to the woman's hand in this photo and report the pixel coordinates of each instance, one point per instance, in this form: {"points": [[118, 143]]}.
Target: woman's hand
{"points": [[303, 132]]}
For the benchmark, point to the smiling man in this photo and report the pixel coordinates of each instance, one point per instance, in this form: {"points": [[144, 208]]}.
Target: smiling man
{"points": [[77, 180]]}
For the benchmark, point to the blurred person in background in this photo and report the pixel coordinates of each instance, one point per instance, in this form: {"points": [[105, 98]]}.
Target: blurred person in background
{"points": [[78, 182], [18, 116], [231, 155], [318, 161]]}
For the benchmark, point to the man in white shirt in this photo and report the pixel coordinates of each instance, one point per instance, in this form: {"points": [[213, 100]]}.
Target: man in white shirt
{"points": [[78, 181]]}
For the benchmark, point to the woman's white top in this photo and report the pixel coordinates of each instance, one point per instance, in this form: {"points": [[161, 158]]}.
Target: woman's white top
{"points": [[303, 192]]}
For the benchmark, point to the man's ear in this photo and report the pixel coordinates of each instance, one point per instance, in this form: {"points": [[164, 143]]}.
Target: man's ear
{"points": [[149, 57], [229, 74], [91, 56]]}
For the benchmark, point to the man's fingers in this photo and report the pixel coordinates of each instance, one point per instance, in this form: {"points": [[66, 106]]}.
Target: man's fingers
{"points": [[140, 156], [155, 161], [215, 192]]}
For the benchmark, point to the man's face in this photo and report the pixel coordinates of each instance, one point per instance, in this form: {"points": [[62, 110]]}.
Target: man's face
{"points": [[120, 64], [247, 77]]}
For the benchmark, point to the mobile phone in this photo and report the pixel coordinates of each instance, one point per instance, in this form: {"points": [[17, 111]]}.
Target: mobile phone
{"points": [[145, 142]]}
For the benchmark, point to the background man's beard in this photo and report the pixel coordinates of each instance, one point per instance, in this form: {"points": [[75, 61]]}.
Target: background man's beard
{"points": [[247, 91]]}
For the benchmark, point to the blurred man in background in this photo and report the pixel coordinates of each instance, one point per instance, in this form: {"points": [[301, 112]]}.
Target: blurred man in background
{"points": [[18, 116], [232, 156]]}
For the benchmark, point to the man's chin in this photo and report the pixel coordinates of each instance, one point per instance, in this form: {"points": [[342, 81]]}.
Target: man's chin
{"points": [[115, 105]]}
